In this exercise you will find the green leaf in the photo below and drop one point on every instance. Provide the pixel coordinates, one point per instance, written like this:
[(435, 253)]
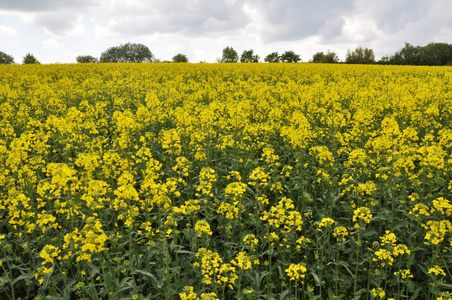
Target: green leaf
[(445, 285), (21, 277), (316, 278), (359, 293), (284, 294), (185, 252), (152, 276)]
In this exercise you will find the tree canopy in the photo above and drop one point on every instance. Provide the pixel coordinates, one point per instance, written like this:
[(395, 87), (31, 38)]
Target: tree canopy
[(248, 56), (30, 59), (86, 59), (180, 58), (290, 57), (6, 59), (127, 53), (328, 58), (360, 56), (229, 55), (432, 54), (273, 58)]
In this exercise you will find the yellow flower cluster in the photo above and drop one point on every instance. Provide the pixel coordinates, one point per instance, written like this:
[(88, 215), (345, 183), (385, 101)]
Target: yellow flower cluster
[(437, 270), (202, 227), (296, 272), (390, 250), (124, 171), (404, 274), (362, 216), (325, 222), (378, 293), (244, 261), (213, 269), (207, 177)]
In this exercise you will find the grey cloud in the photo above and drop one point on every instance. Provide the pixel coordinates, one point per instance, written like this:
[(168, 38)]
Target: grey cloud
[(57, 17), (293, 20), (414, 21), (332, 28), (192, 18), (392, 16), (58, 23), (42, 5)]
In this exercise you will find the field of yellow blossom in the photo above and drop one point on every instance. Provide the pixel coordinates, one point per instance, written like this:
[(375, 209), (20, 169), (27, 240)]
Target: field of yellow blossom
[(225, 181)]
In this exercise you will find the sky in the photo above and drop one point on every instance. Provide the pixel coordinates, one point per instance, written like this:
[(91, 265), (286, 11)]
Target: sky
[(57, 31)]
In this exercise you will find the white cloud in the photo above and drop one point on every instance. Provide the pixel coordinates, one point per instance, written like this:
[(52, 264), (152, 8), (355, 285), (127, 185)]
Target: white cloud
[(360, 30), (7, 31), (52, 44), (195, 19)]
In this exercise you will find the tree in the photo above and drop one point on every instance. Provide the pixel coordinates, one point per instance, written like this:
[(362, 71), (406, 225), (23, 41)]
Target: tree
[(408, 55), (433, 54), (360, 56), (385, 60), (6, 59), (331, 57), (128, 53), (290, 57), (273, 58), (180, 58), (436, 54), (86, 59), (248, 56), (318, 57), (229, 55), (30, 59), (328, 58)]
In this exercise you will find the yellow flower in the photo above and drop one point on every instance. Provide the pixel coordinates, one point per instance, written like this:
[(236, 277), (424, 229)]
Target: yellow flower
[(340, 232), (296, 271), (209, 296), (384, 256), (378, 292), (437, 231), (404, 274), (389, 238), (188, 294), (251, 240), (445, 296), (437, 271), (326, 222), (243, 261), (202, 227), (362, 214)]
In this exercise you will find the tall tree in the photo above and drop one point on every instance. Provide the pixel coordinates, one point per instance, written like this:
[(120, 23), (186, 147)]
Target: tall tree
[(436, 54), (290, 57), (331, 57), (273, 58), (248, 56), (229, 55), (128, 53), (433, 54), (360, 56), (409, 55), (86, 59), (6, 59), (318, 57), (180, 58), (30, 59), (328, 58)]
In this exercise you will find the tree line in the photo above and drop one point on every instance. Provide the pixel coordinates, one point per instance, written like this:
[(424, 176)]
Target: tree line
[(433, 54)]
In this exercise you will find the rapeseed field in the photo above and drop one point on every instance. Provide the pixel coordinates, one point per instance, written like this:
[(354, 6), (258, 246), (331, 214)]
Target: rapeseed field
[(225, 181)]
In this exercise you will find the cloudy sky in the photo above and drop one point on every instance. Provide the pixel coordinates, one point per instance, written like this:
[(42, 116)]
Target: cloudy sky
[(59, 30)]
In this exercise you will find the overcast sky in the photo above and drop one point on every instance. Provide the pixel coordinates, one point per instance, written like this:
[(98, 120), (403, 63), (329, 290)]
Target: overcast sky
[(60, 30)]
